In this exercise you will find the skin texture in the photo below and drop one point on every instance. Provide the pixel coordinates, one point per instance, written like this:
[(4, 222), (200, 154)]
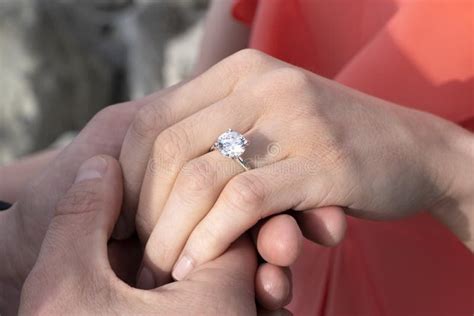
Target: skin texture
[(21, 172), (25, 224), (434, 158), (222, 37), (73, 275), (319, 148)]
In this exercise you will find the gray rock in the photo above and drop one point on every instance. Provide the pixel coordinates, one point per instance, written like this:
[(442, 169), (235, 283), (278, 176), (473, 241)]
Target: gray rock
[(64, 60)]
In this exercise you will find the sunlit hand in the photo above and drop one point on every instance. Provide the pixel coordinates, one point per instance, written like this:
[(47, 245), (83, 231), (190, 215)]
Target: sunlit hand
[(73, 276), (313, 144), (24, 225)]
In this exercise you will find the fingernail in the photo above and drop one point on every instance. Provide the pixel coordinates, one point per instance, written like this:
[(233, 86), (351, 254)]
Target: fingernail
[(146, 280), (93, 168), (182, 268)]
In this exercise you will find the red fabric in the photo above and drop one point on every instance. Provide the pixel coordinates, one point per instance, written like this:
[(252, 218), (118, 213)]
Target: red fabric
[(418, 53)]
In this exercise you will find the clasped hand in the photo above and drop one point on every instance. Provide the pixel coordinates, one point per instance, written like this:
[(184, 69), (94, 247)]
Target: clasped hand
[(317, 148)]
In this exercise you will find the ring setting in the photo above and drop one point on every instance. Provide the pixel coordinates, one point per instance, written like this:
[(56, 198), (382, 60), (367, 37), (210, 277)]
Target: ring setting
[(232, 144)]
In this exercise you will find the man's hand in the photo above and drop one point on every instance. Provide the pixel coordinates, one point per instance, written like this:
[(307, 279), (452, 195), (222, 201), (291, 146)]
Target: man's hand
[(73, 275), (23, 227)]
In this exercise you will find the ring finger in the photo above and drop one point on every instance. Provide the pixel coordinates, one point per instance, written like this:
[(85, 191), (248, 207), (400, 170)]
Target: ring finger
[(178, 145), (195, 191)]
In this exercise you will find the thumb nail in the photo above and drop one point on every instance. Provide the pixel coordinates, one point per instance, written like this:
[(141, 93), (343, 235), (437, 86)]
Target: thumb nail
[(93, 168), (145, 279), (182, 268)]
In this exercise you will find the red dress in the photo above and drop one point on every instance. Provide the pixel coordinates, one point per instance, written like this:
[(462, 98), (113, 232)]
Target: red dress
[(418, 53)]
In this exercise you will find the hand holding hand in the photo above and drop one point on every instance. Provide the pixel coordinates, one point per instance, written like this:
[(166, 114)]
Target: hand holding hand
[(24, 225), (315, 146), (73, 276)]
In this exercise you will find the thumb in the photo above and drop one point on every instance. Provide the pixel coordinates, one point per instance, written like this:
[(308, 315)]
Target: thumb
[(231, 278), (84, 218)]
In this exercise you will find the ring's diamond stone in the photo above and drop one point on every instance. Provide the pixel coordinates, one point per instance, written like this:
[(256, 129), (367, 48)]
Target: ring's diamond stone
[(231, 144)]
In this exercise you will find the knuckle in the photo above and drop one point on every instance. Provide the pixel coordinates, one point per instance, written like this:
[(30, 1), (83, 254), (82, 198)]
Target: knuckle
[(105, 115), (169, 146), (206, 236), (197, 175), (246, 193), (248, 54), (103, 121), (283, 83), (248, 59), (80, 200), (291, 79), (149, 120)]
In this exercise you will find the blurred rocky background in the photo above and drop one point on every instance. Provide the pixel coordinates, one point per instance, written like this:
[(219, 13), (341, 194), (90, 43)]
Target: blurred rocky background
[(61, 61)]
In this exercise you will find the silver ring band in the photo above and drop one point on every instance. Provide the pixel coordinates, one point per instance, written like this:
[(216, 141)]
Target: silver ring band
[(232, 144)]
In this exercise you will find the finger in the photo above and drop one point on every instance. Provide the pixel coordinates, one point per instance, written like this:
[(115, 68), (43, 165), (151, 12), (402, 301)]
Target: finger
[(234, 273), (77, 237), (45, 191), (239, 262), (279, 240), (230, 275), (196, 188), (165, 110), (246, 199), (162, 110), (273, 286), (325, 226), (178, 145), (193, 193)]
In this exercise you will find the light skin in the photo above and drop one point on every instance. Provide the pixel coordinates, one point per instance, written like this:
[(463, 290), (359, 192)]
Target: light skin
[(334, 149), (19, 173), (323, 224), (424, 164), (23, 226), (273, 282), (73, 274)]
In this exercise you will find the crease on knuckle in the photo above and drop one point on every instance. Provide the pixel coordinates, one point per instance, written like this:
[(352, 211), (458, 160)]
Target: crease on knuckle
[(169, 146), (197, 176), (291, 80), (210, 236), (96, 134), (246, 193), (150, 120), (247, 60), (283, 84)]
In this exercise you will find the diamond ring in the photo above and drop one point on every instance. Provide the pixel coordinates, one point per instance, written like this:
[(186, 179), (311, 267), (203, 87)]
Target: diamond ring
[(232, 144)]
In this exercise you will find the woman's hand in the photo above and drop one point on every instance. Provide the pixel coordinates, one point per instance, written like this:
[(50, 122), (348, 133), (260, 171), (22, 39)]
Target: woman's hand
[(24, 225), (73, 275), (313, 144)]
